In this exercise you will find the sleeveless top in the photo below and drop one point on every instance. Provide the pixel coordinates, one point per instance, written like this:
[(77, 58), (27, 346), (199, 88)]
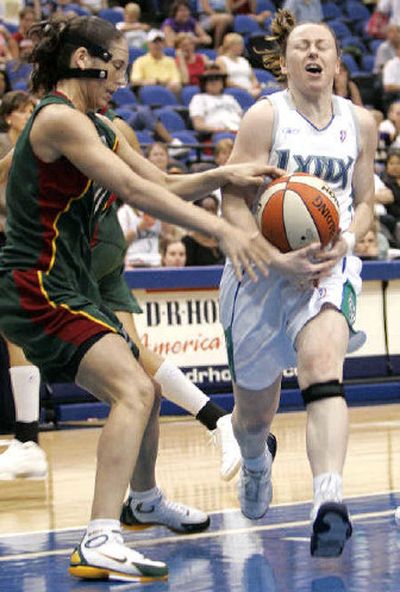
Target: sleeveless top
[(238, 71), (329, 153), (52, 210)]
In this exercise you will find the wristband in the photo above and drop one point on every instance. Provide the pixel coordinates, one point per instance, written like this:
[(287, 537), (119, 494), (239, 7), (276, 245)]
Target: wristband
[(350, 239)]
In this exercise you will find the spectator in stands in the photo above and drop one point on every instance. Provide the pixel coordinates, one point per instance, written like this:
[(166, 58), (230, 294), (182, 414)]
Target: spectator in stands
[(391, 7), (155, 67), (222, 151), (190, 64), (211, 110), (391, 78), (20, 43), (238, 69), (345, 87), (5, 51), (134, 31), (305, 11), (389, 129), (5, 85), (173, 253), (249, 7), (391, 178), (200, 248), (387, 49), (373, 245), (216, 17), (142, 233), (15, 109), (180, 20)]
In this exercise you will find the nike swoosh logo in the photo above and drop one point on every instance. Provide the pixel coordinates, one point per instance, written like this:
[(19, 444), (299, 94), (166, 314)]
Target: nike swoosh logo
[(113, 558), (149, 511)]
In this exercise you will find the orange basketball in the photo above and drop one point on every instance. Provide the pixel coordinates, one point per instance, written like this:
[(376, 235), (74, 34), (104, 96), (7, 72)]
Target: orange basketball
[(297, 210)]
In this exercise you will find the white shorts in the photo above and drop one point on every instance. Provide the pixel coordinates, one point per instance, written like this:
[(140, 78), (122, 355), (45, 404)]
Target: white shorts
[(262, 320)]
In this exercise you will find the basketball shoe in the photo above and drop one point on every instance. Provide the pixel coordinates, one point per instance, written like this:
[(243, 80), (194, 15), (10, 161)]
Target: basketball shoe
[(103, 555), (23, 459), (255, 489), (224, 438), (331, 525), (178, 517)]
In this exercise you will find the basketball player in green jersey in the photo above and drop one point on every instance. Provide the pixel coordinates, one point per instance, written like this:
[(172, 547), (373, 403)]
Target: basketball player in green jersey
[(49, 301)]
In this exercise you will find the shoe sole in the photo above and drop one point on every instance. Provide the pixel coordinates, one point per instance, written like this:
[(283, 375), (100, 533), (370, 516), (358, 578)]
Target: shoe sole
[(189, 529), (331, 530), (88, 572)]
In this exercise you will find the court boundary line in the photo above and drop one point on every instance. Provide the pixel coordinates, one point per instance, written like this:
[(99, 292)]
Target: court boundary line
[(192, 537)]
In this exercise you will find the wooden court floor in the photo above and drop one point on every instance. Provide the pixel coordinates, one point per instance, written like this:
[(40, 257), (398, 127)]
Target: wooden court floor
[(188, 469)]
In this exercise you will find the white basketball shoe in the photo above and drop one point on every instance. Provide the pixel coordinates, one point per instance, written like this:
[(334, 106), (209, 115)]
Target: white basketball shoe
[(102, 555), (255, 489), (23, 459), (230, 452)]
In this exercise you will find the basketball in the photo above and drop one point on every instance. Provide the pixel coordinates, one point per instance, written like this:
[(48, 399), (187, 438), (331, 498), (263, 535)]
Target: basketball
[(297, 210)]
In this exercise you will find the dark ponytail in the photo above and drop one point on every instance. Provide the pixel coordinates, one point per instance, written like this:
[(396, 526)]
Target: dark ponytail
[(53, 47)]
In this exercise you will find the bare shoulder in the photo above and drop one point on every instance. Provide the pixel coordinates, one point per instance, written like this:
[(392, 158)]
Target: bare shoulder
[(254, 138), (59, 117)]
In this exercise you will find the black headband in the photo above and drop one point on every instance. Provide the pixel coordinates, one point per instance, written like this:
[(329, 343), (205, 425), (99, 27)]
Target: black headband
[(94, 50)]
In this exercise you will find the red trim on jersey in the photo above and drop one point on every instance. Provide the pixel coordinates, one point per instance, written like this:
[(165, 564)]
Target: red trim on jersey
[(59, 183), (70, 327)]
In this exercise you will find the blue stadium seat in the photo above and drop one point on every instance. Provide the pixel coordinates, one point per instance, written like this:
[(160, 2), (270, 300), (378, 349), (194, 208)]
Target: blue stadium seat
[(341, 29), (357, 11), (135, 52), (269, 90), (350, 63), (124, 112), (367, 62), (169, 51), (171, 119), (188, 92), (221, 136), (330, 11), (262, 5), (144, 137), (353, 40), (244, 25), (188, 137), (264, 76), (114, 15), (18, 72), (124, 96), (79, 10), (210, 53), (374, 44), (157, 95), (244, 98)]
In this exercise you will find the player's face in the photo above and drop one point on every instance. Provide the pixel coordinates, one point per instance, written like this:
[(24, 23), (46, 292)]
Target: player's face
[(311, 60), (116, 74)]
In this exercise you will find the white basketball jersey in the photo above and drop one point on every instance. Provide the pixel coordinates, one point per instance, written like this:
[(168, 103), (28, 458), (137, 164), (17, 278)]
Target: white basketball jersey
[(329, 153)]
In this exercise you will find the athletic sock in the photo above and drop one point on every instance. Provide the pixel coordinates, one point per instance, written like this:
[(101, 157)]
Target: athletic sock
[(25, 381), (101, 525), (210, 414), (178, 389), (259, 463)]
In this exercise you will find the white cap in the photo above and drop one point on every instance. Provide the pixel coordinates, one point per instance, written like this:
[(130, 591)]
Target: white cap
[(155, 34)]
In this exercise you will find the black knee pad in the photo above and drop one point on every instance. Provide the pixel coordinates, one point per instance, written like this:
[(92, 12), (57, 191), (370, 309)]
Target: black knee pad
[(322, 390)]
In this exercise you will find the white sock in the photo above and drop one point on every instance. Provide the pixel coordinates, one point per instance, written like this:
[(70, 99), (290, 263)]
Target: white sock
[(178, 389), (328, 486), (259, 463), (25, 381), (145, 496), (101, 525)]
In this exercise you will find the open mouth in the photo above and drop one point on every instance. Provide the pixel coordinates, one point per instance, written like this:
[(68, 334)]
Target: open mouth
[(313, 69)]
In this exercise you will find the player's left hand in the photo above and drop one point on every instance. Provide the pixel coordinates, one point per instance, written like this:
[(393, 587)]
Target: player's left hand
[(250, 175)]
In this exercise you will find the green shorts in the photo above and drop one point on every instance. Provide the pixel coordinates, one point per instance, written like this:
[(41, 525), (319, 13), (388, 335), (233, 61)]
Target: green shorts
[(54, 327)]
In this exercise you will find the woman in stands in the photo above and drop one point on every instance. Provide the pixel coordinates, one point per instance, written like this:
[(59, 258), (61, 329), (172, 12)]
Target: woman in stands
[(237, 68)]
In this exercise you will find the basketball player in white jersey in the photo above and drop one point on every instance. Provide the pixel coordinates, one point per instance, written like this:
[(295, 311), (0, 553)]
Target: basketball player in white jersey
[(302, 313)]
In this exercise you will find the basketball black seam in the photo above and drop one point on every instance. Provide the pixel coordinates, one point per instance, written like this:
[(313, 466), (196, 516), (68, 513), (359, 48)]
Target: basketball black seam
[(312, 218), (283, 213)]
